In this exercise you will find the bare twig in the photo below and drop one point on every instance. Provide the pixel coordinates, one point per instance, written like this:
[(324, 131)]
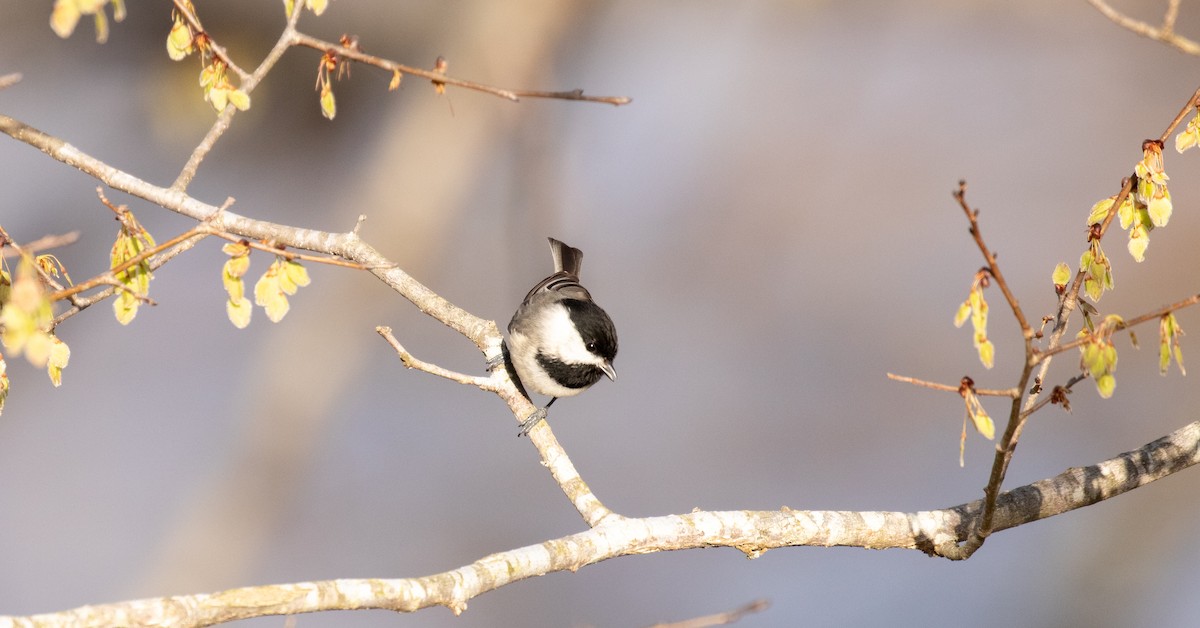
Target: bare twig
[(554, 457), (718, 619), (8, 80), (290, 255), (43, 273), (291, 37), (109, 277), (247, 85), (1189, 107), (1165, 33), (80, 303), (43, 243), (120, 287), (194, 20), (1075, 379), (1016, 420), (990, 392), (412, 362), (993, 266), (1131, 322), (301, 39)]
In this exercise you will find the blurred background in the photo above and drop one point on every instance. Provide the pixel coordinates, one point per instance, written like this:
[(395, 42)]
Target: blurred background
[(770, 224)]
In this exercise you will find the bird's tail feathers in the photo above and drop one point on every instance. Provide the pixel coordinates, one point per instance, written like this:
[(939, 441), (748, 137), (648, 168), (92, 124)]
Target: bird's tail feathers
[(566, 257)]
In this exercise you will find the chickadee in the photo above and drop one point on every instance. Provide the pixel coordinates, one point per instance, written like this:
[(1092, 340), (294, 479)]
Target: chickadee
[(559, 341)]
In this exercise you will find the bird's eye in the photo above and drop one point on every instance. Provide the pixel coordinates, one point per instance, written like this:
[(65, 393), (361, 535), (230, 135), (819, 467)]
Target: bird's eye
[(591, 346)]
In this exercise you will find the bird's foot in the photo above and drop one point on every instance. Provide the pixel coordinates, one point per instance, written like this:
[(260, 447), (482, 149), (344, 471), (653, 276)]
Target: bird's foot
[(531, 421), (496, 362)]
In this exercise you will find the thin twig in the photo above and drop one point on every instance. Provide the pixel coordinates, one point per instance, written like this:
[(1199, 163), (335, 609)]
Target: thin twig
[(80, 303), (554, 457), (247, 85), (121, 287), (8, 80), (291, 37), (21, 251), (110, 276), (1016, 420), (1168, 25), (1188, 108), (1075, 379), (1041, 360), (1132, 322), (960, 195), (44, 243), (718, 619), (302, 39), (290, 255), (990, 392), (219, 51), (489, 384), (1165, 33)]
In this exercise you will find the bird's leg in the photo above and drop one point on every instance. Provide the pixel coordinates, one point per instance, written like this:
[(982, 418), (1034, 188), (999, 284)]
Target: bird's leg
[(535, 418)]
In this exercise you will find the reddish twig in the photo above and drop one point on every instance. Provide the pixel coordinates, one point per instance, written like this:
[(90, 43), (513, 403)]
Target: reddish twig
[(988, 392), (194, 21), (439, 78)]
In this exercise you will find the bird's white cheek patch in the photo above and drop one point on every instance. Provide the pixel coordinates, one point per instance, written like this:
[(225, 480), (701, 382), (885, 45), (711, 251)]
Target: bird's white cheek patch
[(561, 340)]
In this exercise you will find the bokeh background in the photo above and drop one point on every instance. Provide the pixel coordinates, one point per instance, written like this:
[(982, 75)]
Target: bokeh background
[(769, 223)]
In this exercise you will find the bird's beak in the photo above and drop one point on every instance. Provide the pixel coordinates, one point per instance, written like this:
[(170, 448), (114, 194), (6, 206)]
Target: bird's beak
[(608, 369)]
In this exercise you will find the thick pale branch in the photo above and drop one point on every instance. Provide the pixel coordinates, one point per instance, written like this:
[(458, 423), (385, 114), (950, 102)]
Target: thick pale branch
[(484, 333), (554, 457), (752, 532)]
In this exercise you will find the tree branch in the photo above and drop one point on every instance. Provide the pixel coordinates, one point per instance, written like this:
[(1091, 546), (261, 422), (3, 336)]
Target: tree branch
[(1007, 446), (225, 118), (987, 392), (412, 362), (194, 20), (751, 532), (291, 37), (1165, 33), (716, 619), (43, 243), (301, 39), (1022, 410), (483, 333)]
